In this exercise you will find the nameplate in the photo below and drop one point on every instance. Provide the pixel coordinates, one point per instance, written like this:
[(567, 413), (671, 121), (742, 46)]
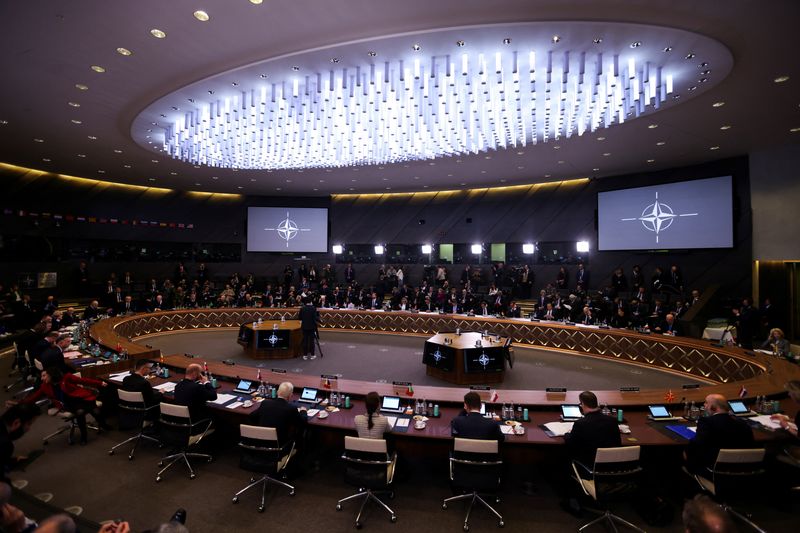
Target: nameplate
[(605, 327), (190, 356), (277, 370), (328, 376), (535, 319), (555, 389), (629, 389), (690, 386), (228, 362), (751, 353), (401, 383), (568, 323), (480, 387)]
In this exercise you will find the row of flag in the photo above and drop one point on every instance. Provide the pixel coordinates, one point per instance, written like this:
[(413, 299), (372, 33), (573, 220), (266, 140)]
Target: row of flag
[(96, 220)]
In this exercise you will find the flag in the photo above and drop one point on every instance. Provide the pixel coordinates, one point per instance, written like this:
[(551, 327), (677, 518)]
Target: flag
[(327, 383), (205, 367), (742, 392), (495, 397), (669, 397), (258, 376), (410, 390)]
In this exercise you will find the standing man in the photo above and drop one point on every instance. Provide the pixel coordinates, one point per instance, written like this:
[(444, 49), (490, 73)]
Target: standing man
[(471, 424), (309, 318)]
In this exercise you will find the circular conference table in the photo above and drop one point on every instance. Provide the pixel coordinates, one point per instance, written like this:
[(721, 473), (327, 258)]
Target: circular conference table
[(724, 369)]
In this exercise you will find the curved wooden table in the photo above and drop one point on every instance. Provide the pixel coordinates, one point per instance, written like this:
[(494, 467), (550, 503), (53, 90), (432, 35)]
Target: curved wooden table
[(724, 370)]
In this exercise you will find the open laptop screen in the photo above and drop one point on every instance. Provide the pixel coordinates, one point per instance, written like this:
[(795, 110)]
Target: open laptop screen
[(571, 411), (659, 411), (244, 384), (391, 402), (738, 407), (308, 394)]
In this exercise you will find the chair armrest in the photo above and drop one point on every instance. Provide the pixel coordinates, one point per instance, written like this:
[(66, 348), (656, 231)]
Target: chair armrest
[(201, 423)]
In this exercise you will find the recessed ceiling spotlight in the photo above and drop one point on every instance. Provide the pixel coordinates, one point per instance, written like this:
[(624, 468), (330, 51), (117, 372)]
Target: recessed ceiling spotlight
[(201, 15), (661, 143), (561, 162), (82, 155), (81, 86), (597, 40), (3, 122), (315, 189), (520, 153), (352, 188), (676, 97), (123, 51), (38, 140), (46, 159), (235, 83), (425, 186), (101, 171), (372, 53), (520, 168), (652, 126), (781, 79), (126, 166), (240, 187), (214, 177), (76, 121), (555, 39), (601, 138), (173, 173), (151, 179), (606, 154), (154, 160), (158, 34), (595, 169), (98, 69), (725, 127), (556, 147), (794, 130), (197, 184), (416, 47), (460, 43), (547, 175), (295, 68), (667, 49), (690, 55), (91, 137), (718, 104), (507, 40), (257, 3), (692, 88), (651, 160), (487, 157), (636, 44), (277, 188), (117, 151), (252, 179), (714, 148)]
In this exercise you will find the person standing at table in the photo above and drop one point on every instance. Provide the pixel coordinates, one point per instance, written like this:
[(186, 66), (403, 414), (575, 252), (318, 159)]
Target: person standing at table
[(309, 318), (471, 424), (193, 391), (372, 425)]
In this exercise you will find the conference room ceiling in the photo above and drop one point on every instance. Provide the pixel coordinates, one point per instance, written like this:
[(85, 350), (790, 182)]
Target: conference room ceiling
[(59, 114)]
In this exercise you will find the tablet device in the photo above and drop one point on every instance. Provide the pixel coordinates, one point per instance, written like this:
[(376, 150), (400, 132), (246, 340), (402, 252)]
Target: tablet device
[(308, 395), (659, 411), (738, 408), (483, 408), (571, 412), (391, 404), (244, 386)]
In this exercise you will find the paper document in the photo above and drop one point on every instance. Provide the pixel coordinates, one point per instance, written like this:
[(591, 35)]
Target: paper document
[(169, 386), (507, 430), (392, 420), (311, 413), (222, 398), (118, 377), (766, 421), (559, 429), (234, 405), (402, 422)]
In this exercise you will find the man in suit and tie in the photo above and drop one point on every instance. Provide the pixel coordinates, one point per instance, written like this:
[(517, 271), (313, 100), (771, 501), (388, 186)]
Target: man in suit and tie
[(595, 430), (471, 424), (193, 391), (126, 306), (582, 278), (669, 326), (288, 420), (548, 312), (587, 318), (309, 319), (715, 431)]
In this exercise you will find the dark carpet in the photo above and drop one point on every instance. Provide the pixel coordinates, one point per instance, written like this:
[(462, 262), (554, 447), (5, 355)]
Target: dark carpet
[(371, 357)]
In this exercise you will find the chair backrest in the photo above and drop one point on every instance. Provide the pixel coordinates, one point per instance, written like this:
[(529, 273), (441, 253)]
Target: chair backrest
[(175, 411), (261, 451), (38, 365), (616, 471), (175, 424), (132, 409), (130, 397), (738, 472), (366, 463), (476, 464)]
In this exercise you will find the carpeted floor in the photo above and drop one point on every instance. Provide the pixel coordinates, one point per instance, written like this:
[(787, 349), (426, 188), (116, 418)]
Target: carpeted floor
[(370, 357)]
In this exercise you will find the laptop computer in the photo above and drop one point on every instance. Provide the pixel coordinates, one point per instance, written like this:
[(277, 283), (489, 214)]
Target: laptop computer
[(571, 412), (659, 412), (391, 404), (308, 395), (738, 408), (244, 386)]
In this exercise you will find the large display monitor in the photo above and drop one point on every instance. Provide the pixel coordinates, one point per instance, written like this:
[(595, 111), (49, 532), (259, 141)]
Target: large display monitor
[(484, 359), (683, 215), (439, 356), (287, 229)]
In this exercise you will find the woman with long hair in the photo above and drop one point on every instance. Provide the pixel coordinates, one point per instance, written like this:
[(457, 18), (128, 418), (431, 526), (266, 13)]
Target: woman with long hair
[(372, 425)]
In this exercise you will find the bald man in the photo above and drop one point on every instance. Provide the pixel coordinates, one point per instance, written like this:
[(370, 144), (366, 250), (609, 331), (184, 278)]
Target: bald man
[(193, 391), (717, 430)]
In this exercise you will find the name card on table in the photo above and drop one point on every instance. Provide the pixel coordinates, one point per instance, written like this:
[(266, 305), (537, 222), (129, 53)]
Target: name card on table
[(484, 388), (550, 390), (629, 389), (278, 370), (403, 384), (329, 376), (690, 386)]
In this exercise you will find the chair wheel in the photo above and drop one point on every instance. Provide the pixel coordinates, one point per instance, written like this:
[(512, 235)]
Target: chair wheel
[(501, 523), (130, 458), (291, 493), (158, 478), (209, 459), (110, 452), (391, 495), (358, 525), (338, 506), (161, 463), (192, 476), (393, 519), (235, 499), (260, 509), (444, 506), (466, 527)]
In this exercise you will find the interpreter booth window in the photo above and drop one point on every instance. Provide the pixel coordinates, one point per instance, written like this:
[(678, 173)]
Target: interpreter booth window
[(560, 253)]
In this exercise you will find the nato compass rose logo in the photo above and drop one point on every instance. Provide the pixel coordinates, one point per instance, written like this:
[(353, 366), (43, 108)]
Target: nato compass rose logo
[(484, 360), (287, 229), (658, 217), (273, 339), (437, 355)]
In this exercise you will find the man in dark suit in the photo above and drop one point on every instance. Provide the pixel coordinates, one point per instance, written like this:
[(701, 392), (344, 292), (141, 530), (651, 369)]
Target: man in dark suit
[(93, 311), (136, 381), (581, 278), (126, 307), (288, 420), (595, 430), (54, 356), (471, 424), (309, 318), (669, 326), (715, 431), (193, 391)]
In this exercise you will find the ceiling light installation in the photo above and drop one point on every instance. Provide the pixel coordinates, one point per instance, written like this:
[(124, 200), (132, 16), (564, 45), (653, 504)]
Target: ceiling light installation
[(429, 97)]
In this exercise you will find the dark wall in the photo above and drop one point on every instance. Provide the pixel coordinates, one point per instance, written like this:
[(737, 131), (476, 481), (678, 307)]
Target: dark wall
[(552, 212)]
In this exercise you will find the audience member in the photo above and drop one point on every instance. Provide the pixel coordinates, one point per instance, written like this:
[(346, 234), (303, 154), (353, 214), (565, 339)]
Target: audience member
[(14, 423), (777, 343)]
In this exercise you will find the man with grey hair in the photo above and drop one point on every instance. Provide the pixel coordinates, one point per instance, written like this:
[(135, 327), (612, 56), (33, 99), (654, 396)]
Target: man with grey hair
[(278, 413), (717, 430)]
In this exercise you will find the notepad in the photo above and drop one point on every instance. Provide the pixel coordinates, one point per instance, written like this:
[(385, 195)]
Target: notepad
[(118, 377), (169, 386), (402, 422), (507, 430), (559, 429), (687, 432), (222, 399), (766, 421), (234, 405), (311, 413)]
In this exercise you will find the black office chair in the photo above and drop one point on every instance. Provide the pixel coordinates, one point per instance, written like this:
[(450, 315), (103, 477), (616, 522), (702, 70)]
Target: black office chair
[(176, 428), (475, 466), (370, 468), (735, 473), (262, 453), (134, 413), (615, 474)]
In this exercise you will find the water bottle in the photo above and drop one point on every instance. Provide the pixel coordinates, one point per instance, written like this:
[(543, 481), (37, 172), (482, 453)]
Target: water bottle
[(605, 410), (511, 411), (519, 416), (436, 410), (334, 398), (686, 409), (620, 417), (429, 410), (347, 402), (525, 415)]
